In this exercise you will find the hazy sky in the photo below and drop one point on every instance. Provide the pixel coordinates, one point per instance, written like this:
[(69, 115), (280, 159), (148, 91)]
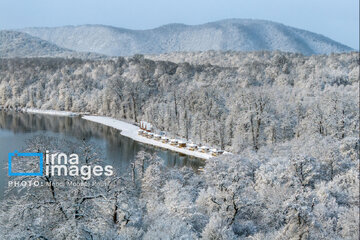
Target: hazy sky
[(337, 19)]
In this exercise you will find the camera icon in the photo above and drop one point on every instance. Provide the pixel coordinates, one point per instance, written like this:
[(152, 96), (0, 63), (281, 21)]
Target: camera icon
[(17, 154)]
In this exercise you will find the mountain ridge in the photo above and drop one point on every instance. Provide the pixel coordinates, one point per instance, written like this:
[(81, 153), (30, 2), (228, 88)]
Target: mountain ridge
[(18, 44), (229, 34)]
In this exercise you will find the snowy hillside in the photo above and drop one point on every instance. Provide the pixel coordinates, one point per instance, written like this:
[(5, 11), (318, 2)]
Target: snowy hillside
[(233, 34), (18, 44)]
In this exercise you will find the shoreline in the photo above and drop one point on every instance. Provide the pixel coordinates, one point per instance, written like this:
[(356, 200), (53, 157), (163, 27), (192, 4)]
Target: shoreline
[(126, 129), (50, 112), (130, 131)]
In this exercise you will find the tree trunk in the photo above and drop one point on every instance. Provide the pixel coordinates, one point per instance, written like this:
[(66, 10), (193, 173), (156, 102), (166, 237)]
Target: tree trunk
[(134, 107)]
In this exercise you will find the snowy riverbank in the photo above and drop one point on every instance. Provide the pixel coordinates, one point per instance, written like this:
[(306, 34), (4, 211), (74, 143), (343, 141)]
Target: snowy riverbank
[(130, 131), (50, 112), (127, 130)]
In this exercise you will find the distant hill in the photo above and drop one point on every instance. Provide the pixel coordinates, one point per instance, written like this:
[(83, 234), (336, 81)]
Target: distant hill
[(232, 34), (19, 44)]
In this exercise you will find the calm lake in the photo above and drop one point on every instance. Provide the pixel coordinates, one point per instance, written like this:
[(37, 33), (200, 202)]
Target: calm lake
[(119, 151)]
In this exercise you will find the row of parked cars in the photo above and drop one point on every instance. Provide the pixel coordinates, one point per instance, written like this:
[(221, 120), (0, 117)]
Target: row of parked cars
[(180, 143)]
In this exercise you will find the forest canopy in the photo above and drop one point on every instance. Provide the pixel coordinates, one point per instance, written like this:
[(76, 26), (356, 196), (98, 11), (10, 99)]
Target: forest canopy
[(292, 122), (234, 101)]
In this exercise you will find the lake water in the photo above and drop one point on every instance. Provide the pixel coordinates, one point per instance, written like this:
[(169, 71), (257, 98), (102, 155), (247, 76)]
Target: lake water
[(16, 128)]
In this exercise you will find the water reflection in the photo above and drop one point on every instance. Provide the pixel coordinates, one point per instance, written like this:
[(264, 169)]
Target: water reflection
[(16, 127)]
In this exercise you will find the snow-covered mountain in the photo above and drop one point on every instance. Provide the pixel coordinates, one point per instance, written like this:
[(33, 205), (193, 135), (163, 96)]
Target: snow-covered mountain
[(19, 44), (232, 34)]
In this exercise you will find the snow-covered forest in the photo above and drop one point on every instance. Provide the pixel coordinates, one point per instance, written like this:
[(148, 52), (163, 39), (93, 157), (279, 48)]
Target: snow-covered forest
[(292, 122), (232, 102)]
